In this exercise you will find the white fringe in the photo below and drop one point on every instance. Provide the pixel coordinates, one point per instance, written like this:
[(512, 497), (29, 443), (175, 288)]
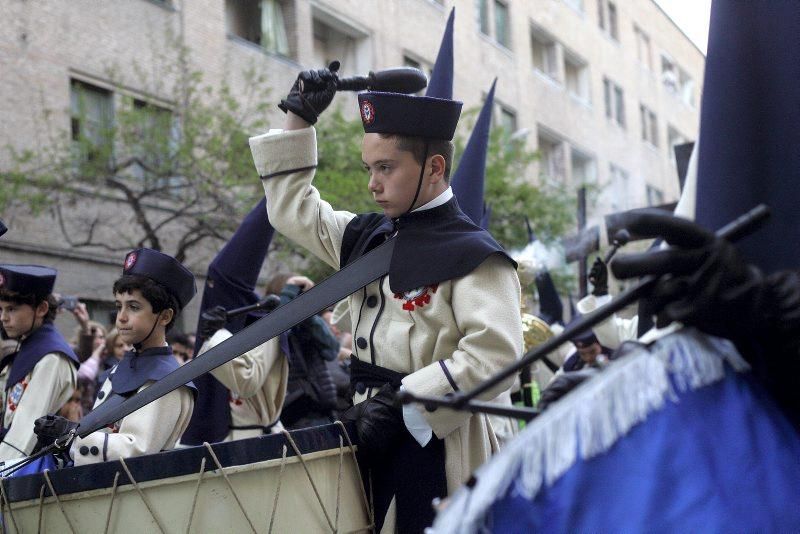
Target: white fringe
[(591, 419)]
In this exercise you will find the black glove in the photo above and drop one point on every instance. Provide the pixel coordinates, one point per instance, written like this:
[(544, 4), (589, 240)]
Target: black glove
[(379, 422), (49, 428), (563, 384), (311, 93), (212, 320), (711, 288), (598, 276)]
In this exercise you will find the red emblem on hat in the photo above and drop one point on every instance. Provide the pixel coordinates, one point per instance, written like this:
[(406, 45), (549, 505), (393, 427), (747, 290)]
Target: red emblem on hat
[(2, 280), (130, 261), (367, 112)]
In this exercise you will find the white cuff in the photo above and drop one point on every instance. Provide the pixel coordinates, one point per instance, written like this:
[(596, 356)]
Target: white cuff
[(416, 424)]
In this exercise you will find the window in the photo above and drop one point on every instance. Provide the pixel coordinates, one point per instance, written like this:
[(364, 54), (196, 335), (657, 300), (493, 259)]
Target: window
[(482, 6), (545, 53), (507, 119), (552, 161), (607, 18), (262, 22), (92, 121), (576, 76), (649, 125), (502, 30), (655, 197), (674, 138), (494, 20), (619, 188), (156, 131), (614, 98), (643, 50), (583, 167), (669, 77), (337, 39), (686, 87)]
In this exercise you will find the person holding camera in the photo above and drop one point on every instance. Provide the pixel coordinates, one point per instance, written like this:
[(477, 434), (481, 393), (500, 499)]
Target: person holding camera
[(311, 392), (39, 376)]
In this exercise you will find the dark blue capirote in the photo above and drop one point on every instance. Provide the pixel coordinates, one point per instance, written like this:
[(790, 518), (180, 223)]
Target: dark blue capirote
[(750, 126), (468, 180), (231, 283), (441, 82)]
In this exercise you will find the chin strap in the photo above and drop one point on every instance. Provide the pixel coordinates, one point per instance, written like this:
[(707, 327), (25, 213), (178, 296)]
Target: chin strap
[(138, 345), (421, 176)]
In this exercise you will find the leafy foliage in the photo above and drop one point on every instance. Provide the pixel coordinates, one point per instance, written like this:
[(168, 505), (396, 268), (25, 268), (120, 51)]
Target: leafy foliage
[(180, 167)]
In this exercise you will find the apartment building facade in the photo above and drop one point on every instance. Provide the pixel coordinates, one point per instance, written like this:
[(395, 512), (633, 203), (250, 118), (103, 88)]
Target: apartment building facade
[(601, 88)]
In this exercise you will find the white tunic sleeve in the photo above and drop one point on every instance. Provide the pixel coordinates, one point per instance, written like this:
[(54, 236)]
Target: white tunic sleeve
[(50, 386), (614, 331), (286, 163)]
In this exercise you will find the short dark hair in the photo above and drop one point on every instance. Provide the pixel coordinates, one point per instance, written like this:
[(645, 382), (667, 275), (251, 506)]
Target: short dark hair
[(417, 147), (156, 294), (33, 301), (178, 337)]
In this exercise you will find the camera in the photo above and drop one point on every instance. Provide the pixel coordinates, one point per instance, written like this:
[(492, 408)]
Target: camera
[(68, 302)]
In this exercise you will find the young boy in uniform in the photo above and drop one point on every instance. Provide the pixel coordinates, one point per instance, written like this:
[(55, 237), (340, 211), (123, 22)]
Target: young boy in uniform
[(444, 319), (152, 291), (39, 375)]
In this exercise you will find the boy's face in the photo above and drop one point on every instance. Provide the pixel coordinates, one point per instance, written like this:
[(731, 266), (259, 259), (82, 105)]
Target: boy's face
[(393, 176), (589, 354), (17, 319), (135, 319)]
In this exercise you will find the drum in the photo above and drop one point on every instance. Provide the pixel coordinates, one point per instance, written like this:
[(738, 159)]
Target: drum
[(303, 481), (674, 437)]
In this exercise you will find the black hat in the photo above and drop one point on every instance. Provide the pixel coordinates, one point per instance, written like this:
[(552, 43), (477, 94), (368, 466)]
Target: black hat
[(28, 279), (584, 338), (163, 269), (3, 228), (413, 116)]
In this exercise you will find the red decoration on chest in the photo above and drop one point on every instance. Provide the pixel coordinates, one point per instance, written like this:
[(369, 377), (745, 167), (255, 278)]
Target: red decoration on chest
[(417, 298)]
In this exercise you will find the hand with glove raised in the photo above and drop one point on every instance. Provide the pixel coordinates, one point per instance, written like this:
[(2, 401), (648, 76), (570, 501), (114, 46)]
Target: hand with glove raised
[(710, 287), (598, 277), (212, 320), (312, 93), (49, 428), (379, 422)]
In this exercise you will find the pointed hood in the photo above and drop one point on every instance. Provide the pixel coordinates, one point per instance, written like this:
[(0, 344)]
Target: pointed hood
[(468, 180), (441, 82)]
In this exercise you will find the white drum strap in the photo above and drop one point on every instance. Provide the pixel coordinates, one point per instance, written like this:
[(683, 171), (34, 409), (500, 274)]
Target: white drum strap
[(290, 439), (46, 474), (277, 489), (230, 486), (141, 494), (5, 500), (196, 493), (111, 501), (367, 507)]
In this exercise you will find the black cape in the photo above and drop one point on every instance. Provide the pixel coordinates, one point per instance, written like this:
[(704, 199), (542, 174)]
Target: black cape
[(432, 246)]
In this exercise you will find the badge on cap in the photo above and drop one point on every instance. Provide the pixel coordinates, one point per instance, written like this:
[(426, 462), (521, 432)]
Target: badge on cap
[(367, 112), (130, 261), (2, 280)]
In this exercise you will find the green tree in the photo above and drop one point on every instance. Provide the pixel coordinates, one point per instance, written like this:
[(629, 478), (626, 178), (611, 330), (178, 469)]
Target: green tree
[(177, 170)]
